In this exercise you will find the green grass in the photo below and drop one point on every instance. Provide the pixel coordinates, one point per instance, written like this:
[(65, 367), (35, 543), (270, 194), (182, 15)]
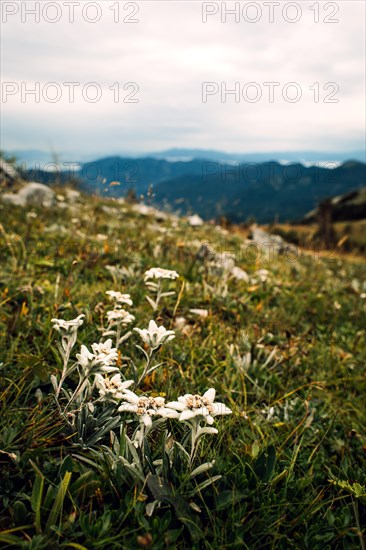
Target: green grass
[(349, 237), (292, 455)]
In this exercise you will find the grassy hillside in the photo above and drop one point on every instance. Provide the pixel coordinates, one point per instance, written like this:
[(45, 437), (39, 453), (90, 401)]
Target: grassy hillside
[(284, 350), (349, 236)]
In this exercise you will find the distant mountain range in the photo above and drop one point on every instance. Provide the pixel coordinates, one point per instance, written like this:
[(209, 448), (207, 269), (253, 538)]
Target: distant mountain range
[(31, 157), (268, 191), (305, 157), (211, 188)]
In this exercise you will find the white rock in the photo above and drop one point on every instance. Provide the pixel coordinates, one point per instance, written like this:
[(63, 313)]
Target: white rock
[(195, 220), (13, 199), (33, 193), (72, 194), (203, 313)]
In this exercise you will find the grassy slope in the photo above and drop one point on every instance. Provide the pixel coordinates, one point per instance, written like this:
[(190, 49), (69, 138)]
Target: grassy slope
[(276, 490), (349, 236)]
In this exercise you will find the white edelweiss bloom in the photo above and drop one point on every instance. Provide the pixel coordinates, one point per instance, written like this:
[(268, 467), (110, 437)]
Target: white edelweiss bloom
[(239, 274), (146, 407), (262, 274), (119, 315), (68, 326), (155, 336), (120, 298), (105, 353), (113, 387), (196, 406), (160, 273), (90, 362), (85, 357)]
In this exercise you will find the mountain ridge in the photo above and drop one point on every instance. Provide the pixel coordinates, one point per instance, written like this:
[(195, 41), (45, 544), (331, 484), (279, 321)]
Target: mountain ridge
[(266, 191)]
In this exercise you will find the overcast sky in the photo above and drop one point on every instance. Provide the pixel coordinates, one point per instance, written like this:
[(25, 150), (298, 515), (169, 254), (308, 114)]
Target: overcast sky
[(169, 53)]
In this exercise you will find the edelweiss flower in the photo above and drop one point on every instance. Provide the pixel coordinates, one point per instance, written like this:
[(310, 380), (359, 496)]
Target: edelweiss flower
[(104, 353), (160, 273), (262, 274), (113, 387), (239, 274), (120, 298), (90, 362), (146, 407), (192, 406), (85, 357), (155, 336), (118, 315), (69, 326)]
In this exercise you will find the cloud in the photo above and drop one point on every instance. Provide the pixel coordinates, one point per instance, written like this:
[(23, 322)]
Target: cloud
[(169, 53)]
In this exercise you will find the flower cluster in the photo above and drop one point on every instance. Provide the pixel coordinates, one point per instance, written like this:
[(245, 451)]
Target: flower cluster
[(260, 276), (160, 273), (146, 407), (111, 388), (196, 407), (68, 326), (119, 298), (155, 336), (119, 316), (105, 353), (104, 394), (101, 360)]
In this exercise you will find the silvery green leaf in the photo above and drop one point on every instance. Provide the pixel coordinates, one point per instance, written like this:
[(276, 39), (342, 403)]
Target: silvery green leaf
[(54, 382), (142, 351), (65, 343), (133, 451), (61, 350), (153, 286), (109, 333), (195, 507), (164, 294), (135, 472), (151, 302), (270, 357), (207, 430), (182, 449), (38, 395), (150, 507), (205, 484), (124, 337), (66, 393), (202, 468), (151, 369)]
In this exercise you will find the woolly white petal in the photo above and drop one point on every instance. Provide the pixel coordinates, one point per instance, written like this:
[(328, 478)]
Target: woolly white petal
[(127, 407), (220, 408), (189, 414), (146, 418), (210, 395), (176, 405), (131, 397), (168, 413)]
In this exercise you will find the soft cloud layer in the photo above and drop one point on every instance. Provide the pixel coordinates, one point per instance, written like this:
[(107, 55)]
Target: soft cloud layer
[(169, 53)]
